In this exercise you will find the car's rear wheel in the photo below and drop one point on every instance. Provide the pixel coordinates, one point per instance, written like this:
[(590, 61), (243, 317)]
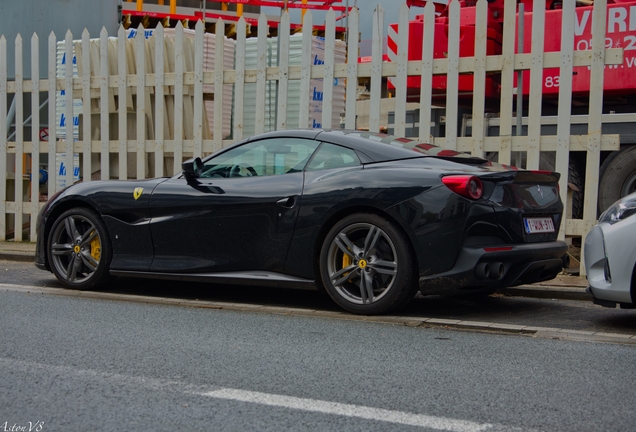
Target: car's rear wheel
[(79, 250), (366, 265)]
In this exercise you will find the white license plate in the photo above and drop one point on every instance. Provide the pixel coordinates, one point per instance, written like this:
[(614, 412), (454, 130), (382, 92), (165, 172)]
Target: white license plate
[(538, 225)]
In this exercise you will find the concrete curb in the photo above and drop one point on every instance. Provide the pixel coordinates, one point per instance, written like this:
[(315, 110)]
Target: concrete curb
[(17, 251), (17, 256), (447, 324), (551, 292), (23, 252)]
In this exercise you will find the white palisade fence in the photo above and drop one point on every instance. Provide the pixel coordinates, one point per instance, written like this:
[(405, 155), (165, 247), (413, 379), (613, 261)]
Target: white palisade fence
[(148, 104)]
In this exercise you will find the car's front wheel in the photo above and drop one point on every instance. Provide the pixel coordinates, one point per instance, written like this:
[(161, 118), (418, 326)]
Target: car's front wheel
[(79, 250), (366, 265)]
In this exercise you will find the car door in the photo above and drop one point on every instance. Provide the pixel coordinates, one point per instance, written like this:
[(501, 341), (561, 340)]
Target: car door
[(238, 215), (331, 182)]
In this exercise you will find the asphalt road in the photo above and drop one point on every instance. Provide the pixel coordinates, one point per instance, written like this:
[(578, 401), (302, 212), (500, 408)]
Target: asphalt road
[(92, 364)]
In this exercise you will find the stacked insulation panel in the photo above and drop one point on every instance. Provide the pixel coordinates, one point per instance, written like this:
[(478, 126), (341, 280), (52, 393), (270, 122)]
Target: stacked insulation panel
[(209, 59), (60, 99), (293, 95), (189, 35)]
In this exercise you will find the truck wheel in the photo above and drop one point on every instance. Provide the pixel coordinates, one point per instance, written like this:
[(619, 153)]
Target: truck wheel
[(575, 178), (617, 177)]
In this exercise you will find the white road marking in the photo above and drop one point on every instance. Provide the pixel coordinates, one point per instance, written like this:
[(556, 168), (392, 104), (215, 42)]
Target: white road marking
[(288, 402), (347, 410)]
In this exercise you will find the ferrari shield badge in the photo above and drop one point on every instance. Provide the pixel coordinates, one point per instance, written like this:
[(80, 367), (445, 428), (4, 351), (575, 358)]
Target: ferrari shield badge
[(137, 193)]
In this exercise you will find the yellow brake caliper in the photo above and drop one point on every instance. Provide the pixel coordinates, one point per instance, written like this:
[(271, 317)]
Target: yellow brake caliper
[(346, 261), (96, 249)]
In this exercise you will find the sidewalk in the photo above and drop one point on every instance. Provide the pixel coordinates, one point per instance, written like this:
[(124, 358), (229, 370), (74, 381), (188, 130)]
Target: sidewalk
[(563, 287), (17, 251)]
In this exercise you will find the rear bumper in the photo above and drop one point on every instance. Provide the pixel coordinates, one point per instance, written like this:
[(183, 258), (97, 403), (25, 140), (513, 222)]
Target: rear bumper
[(608, 303), (522, 264)]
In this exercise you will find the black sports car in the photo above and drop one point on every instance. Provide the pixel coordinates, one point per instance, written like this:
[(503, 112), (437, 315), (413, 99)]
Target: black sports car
[(368, 217)]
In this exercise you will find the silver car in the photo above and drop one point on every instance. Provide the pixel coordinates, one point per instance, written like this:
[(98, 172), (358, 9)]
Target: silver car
[(610, 256)]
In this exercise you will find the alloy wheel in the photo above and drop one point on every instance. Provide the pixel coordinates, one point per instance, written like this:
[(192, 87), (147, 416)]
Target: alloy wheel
[(362, 263), (76, 249)]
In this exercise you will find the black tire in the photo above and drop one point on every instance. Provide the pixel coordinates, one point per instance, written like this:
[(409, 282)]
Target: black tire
[(575, 178), (617, 177), (79, 250), (382, 273)]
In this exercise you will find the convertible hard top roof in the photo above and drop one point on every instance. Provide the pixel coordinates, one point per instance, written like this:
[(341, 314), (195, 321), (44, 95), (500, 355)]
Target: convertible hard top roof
[(377, 147)]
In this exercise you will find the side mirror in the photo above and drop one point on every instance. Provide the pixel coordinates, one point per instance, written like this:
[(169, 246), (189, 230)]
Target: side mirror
[(192, 168)]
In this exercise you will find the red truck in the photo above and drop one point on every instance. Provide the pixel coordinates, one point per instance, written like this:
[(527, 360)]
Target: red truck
[(618, 169)]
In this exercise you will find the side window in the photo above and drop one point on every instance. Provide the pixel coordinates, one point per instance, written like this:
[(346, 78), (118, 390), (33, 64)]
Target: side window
[(261, 158), (333, 156)]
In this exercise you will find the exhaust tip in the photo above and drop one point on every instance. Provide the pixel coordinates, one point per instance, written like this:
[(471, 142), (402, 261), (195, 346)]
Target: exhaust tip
[(497, 270), (482, 270), (566, 261)]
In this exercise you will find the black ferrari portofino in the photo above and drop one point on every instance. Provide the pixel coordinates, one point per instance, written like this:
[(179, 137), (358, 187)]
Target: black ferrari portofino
[(369, 218)]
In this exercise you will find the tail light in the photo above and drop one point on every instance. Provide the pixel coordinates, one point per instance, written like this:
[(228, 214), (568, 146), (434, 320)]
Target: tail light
[(467, 186)]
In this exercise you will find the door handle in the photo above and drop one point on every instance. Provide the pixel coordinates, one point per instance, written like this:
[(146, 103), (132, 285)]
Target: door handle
[(287, 202)]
